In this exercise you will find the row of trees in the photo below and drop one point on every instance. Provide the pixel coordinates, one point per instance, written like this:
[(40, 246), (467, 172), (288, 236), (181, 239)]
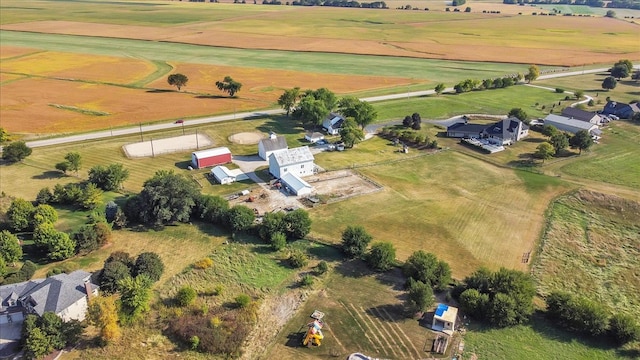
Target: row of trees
[(559, 140), (227, 85)]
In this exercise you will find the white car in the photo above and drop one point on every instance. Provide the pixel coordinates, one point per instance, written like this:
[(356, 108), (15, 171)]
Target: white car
[(613, 117)]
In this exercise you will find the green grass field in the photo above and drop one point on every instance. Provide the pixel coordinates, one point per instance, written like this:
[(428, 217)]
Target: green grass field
[(626, 89), (434, 70), (595, 237)]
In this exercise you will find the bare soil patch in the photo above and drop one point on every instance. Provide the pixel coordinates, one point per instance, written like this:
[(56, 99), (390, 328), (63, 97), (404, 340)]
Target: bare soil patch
[(246, 138), (167, 145)]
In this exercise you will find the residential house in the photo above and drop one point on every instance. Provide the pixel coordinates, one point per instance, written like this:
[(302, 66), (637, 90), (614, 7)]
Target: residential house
[(582, 115), (332, 123), (621, 110), (273, 143), (298, 161), (564, 123), (66, 295), (502, 132), (444, 319)]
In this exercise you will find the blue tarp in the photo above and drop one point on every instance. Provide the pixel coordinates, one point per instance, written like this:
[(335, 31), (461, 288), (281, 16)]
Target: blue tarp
[(441, 309)]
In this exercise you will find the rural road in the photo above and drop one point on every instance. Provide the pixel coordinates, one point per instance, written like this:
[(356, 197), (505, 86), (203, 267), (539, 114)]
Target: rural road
[(141, 129)]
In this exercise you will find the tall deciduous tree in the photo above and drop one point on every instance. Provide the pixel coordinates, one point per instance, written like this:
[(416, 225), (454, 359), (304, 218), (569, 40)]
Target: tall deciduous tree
[(581, 140), (311, 111), (178, 80), (361, 111), (241, 218), (297, 224), (350, 133), (532, 74), (166, 197), (135, 295), (10, 248), (620, 71), (381, 256), (229, 86), (609, 83), (559, 142), (419, 297), (16, 151), (518, 113), (426, 267), (288, 99), (355, 241), (544, 151), (57, 244), (75, 161), (108, 178), (19, 214), (43, 213)]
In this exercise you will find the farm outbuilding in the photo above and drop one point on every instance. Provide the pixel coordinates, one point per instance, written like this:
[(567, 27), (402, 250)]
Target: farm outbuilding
[(563, 123), (210, 157), (273, 143), (223, 175), (298, 161), (444, 319), (296, 185)]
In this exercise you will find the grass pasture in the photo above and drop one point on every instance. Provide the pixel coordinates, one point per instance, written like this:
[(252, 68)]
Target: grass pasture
[(430, 203), (363, 313), (595, 237), (626, 89)]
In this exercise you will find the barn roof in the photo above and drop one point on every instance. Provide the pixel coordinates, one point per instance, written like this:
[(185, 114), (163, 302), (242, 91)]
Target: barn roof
[(293, 156), (211, 152), (274, 143)]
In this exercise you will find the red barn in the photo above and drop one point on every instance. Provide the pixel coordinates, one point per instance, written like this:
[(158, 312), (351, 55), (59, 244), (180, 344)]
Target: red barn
[(210, 157)]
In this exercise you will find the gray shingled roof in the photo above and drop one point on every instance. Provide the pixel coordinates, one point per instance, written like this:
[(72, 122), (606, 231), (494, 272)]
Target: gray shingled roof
[(504, 129), (293, 156), (578, 114), (279, 143), (467, 127), (55, 293), (15, 291)]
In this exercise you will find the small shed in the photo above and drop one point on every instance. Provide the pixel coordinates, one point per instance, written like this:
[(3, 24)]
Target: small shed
[(223, 175), (313, 137), (296, 185), (210, 157), (444, 319)]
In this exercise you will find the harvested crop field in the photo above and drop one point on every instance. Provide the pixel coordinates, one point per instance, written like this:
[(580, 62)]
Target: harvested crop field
[(55, 92)]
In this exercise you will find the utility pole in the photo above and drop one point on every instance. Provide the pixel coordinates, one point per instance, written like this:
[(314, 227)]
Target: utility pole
[(153, 154), (141, 138)]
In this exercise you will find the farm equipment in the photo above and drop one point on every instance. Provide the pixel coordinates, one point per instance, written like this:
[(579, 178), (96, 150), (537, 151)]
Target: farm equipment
[(314, 332)]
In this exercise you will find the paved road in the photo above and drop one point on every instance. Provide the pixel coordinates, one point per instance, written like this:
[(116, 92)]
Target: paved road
[(141, 129)]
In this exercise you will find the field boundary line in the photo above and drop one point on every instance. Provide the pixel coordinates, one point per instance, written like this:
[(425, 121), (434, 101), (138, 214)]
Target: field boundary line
[(395, 322), (379, 315), (372, 323)]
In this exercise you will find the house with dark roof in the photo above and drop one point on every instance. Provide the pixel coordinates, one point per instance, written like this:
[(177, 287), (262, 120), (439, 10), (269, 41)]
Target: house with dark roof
[(582, 115), (66, 295), (273, 143), (333, 123), (622, 110), (502, 132)]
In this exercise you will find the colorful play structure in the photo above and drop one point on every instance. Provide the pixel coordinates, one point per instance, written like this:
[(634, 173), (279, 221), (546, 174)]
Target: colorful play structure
[(314, 332)]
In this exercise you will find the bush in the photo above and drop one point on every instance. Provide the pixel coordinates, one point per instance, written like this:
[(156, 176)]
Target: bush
[(243, 300), (420, 296), (150, 264), (322, 267), (307, 280), (24, 274), (195, 342), (186, 296), (203, 263), (559, 90), (355, 241), (624, 329), (278, 241), (297, 259)]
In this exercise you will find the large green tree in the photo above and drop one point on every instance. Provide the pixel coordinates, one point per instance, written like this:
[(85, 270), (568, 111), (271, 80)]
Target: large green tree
[(518, 113), (57, 244), (297, 224), (74, 160), (166, 198), (178, 80), (381, 256), (108, 178), (609, 83), (559, 142), (229, 86), (544, 151), (355, 241), (311, 111), (149, 264), (19, 214), (532, 74), (581, 140), (135, 296), (15, 151), (43, 213), (361, 111), (10, 248), (426, 267), (212, 208), (288, 99), (350, 133), (620, 71), (241, 218), (419, 296)]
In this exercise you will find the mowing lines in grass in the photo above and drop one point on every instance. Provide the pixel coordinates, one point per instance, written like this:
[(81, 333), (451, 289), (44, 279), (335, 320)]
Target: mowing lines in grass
[(376, 314), (375, 340), (394, 321)]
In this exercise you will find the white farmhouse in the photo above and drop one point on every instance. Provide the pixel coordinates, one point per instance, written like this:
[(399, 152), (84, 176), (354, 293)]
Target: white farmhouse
[(297, 161), (332, 123)]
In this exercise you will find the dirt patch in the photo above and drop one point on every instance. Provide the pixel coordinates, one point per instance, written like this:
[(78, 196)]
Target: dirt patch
[(246, 138), (167, 145)]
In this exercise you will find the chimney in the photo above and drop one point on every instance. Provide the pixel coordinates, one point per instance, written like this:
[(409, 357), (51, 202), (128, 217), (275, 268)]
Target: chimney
[(87, 288)]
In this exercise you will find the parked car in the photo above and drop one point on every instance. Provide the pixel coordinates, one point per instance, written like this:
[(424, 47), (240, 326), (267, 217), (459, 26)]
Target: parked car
[(614, 117), (179, 121)]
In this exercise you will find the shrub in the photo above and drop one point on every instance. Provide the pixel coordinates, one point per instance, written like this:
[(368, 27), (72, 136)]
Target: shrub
[(297, 259), (203, 263), (243, 300), (355, 241), (278, 241), (186, 296), (150, 264), (195, 342), (559, 90), (307, 280), (623, 329), (382, 256), (322, 267)]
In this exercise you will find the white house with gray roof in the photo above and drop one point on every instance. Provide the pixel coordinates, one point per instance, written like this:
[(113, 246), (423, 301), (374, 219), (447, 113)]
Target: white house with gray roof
[(273, 143), (564, 123), (66, 295), (297, 161)]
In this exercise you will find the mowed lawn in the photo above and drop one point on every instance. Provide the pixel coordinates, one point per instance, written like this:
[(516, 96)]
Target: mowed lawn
[(466, 211)]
